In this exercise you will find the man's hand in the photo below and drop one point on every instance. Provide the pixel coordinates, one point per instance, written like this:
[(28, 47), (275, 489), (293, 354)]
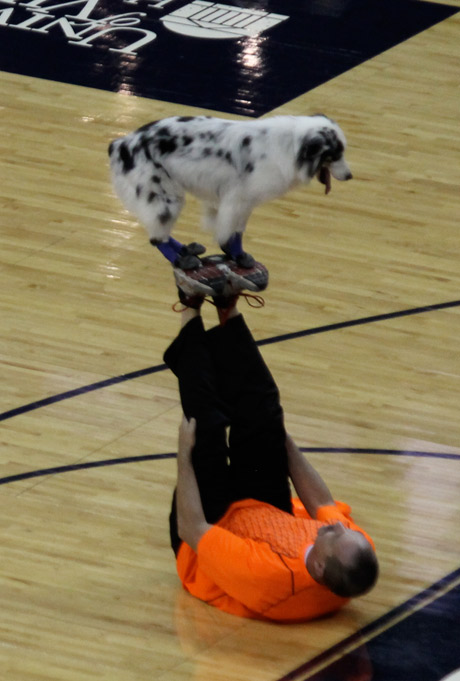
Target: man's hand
[(186, 444)]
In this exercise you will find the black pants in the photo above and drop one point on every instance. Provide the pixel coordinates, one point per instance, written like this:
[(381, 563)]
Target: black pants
[(224, 381)]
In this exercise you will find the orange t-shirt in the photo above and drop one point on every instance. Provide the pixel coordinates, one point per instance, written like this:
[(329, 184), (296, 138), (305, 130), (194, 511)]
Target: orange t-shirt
[(252, 562)]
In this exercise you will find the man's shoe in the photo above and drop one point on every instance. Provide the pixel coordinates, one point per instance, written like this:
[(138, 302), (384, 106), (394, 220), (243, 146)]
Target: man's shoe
[(194, 284), (239, 278)]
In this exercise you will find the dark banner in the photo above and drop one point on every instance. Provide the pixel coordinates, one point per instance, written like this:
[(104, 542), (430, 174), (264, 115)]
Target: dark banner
[(238, 57)]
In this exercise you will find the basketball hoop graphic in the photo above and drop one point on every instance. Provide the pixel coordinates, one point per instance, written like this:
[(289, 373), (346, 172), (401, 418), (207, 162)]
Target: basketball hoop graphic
[(202, 19)]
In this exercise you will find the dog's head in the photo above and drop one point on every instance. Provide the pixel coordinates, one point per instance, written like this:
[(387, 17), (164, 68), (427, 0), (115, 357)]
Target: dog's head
[(321, 153)]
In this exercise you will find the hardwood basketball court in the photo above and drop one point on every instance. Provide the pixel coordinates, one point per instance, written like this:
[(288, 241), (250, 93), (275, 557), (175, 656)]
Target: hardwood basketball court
[(360, 328)]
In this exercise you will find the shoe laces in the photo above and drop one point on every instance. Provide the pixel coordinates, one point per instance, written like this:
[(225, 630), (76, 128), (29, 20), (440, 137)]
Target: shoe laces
[(251, 299)]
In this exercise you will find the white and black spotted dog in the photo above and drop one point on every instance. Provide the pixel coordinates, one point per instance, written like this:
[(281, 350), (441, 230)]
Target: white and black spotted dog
[(232, 166)]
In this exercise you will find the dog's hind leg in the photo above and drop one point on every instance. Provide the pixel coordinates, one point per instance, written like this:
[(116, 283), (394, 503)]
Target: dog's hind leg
[(159, 214), (170, 248), (159, 224), (179, 254)]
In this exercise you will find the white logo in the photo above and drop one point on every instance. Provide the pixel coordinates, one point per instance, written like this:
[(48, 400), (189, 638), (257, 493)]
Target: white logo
[(202, 19), (74, 19)]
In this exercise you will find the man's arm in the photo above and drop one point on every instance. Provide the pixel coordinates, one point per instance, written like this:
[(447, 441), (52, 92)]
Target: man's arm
[(191, 521), (309, 485)]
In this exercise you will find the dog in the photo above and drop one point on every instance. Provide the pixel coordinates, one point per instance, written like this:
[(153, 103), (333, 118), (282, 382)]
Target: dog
[(231, 166)]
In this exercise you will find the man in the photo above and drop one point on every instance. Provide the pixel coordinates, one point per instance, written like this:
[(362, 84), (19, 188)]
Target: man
[(242, 544)]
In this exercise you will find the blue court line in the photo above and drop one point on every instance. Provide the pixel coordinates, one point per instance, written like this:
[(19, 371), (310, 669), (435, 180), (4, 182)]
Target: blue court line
[(267, 341), (171, 455), (81, 391), (82, 466), (374, 627), (389, 452), (361, 320)]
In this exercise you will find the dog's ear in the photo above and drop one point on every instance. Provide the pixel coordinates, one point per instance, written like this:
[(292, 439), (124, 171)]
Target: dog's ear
[(310, 149), (315, 147), (310, 153)]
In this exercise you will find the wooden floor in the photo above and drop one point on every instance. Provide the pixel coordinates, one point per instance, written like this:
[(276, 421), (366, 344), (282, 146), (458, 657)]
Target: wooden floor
[(88, 585)]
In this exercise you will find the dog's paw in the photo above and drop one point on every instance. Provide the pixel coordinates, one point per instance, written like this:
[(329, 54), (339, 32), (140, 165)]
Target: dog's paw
[(245, 260), (188, 261), (195, 249)]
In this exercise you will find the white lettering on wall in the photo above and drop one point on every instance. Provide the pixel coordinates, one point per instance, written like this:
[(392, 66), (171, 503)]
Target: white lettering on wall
[(80, 29), (198, 19)]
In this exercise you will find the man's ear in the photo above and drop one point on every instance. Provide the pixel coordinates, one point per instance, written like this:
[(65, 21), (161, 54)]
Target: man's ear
[(315, 566), (319, 567)]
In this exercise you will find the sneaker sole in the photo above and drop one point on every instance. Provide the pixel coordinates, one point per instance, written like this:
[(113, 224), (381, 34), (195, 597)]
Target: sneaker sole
[(208, 280), (240, 278)]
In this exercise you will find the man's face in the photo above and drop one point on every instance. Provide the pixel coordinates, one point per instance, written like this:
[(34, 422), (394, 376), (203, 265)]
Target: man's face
[(339, 541)]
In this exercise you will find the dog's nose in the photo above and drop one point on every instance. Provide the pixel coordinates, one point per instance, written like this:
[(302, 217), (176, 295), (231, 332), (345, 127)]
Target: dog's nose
[(349, 175)]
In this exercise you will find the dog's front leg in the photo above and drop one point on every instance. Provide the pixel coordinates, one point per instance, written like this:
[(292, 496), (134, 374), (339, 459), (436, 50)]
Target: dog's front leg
[(230, 225), (234, 249)]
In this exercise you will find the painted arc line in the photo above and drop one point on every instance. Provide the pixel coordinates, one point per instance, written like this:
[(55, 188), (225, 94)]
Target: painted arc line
[(267, 341)]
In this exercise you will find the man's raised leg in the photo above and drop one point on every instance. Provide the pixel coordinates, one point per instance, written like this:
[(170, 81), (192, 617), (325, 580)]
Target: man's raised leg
[(258, 459), (189, 359)]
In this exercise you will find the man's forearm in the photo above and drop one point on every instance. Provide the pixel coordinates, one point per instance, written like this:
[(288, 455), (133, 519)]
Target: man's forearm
[(191, 520), (309, 485)]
